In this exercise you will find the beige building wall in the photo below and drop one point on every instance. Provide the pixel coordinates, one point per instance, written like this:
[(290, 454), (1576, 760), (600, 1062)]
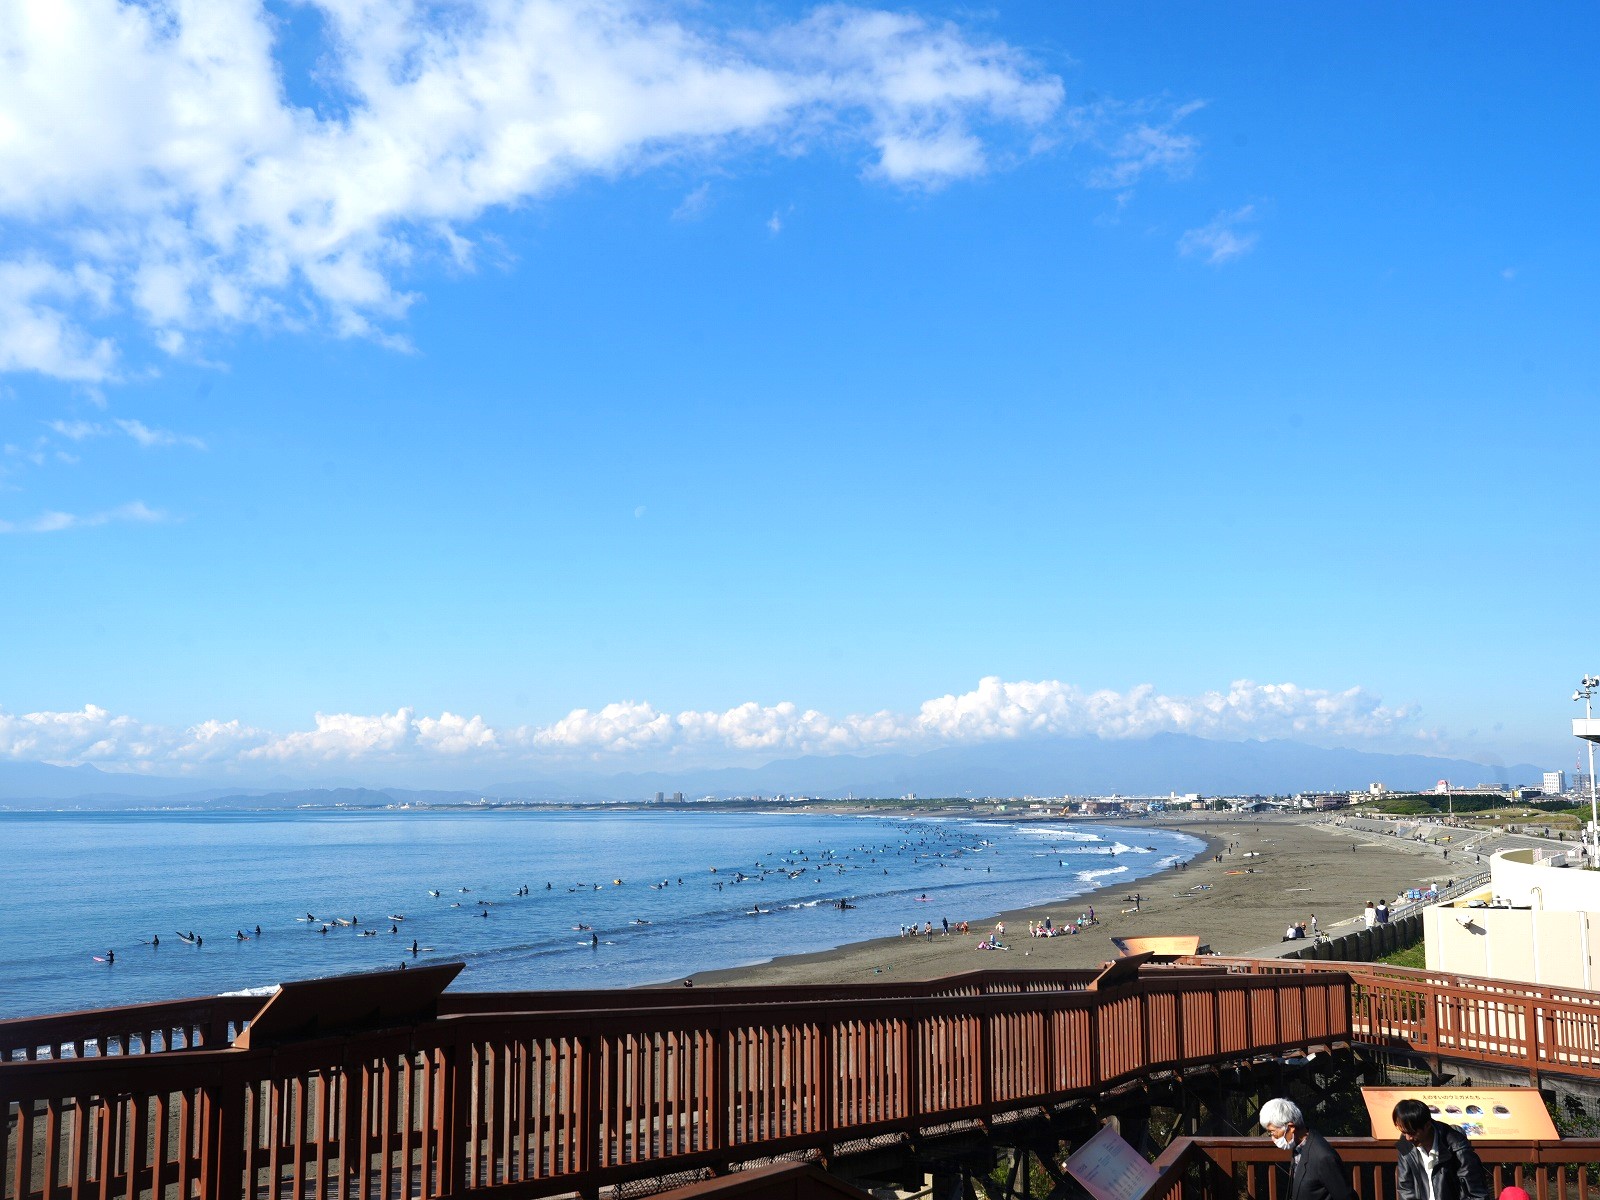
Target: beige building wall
[(1549, 936)]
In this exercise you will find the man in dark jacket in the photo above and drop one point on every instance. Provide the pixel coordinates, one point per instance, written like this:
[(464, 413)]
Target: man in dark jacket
[(1315, 1172), (1437, 1162)]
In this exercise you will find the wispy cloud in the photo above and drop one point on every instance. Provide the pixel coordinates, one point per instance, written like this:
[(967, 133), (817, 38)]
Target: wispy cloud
[(57, 522), (628, 734), (148, 437), (76, 431), (79, 430), (185, 190), (693, 205), (1221, 240), (1138, 141)]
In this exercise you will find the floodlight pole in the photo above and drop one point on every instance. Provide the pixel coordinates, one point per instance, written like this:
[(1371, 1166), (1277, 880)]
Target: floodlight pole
[(1587, 692)]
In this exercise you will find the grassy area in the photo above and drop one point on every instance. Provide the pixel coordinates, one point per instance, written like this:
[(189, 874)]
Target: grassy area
[(1411, 956)]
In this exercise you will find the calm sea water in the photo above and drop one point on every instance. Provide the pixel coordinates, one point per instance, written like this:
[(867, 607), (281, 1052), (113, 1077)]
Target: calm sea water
[(78, 885)]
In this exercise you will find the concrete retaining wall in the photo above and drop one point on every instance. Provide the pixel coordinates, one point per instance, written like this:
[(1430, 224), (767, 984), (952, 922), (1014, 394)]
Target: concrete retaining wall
[(1366, 945)]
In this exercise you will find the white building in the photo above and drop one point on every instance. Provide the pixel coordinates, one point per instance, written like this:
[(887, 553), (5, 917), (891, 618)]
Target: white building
[(1555, 783), (1537, 921)]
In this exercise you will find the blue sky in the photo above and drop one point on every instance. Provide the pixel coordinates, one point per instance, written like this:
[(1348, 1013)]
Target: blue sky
[(454, 390)]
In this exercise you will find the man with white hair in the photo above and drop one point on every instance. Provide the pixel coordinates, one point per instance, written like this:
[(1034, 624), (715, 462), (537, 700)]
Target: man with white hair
[(1315, 1172)]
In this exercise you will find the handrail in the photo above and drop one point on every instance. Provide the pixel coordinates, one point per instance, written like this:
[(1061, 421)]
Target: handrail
[(1535, 1028), (214, 1021), (540, 1097), (130, 1029), (1231, 1168)]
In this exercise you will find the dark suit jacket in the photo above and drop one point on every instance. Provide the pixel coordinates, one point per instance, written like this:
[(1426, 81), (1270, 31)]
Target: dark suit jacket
[(1316, 1172), (1458, 1175)]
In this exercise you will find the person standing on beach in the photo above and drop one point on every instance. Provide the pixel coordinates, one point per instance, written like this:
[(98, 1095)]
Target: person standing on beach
[(1315, 1170), (1370, 914)]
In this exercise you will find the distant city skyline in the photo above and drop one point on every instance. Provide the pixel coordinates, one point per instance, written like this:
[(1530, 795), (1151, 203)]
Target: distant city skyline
[(547, 383)]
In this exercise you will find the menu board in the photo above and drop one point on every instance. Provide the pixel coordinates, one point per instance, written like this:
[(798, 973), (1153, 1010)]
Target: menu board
[(1486, 1114)]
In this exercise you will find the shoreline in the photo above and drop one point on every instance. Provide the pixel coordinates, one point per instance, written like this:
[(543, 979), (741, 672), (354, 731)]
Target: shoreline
[(1273, 870)]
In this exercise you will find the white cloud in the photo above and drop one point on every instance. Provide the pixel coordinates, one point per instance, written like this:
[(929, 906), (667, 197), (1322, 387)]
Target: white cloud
[(615, 728), (1136, 142), (693, 205), (148, 437), (152, 155), (634, 733), (76, 431), (79, 430), (136, 511), (1220, 241), (342, 737), (36, 332)]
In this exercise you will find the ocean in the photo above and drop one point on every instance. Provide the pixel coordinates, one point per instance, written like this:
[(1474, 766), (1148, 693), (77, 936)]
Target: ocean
[(527, 899)]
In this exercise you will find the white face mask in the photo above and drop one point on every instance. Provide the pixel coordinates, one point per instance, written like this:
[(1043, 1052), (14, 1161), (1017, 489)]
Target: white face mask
[(1282, 1143)]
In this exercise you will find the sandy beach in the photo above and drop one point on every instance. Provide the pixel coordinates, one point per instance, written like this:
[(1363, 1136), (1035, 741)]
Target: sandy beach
[(1273, 870)]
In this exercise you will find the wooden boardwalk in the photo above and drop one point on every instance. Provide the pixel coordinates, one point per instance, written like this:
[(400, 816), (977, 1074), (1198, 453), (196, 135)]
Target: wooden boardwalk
[(532, 1094)]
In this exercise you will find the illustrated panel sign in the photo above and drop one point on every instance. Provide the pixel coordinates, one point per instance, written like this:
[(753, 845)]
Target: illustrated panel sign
[(1485, 1114)]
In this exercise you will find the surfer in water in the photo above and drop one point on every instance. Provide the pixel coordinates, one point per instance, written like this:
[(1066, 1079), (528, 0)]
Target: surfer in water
[(111, 957)]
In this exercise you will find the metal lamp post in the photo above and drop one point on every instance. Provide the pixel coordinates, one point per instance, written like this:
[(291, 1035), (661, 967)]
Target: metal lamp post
[(1585, 693)]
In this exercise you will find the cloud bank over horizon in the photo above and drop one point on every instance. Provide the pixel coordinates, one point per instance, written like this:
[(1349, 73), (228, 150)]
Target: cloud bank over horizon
[(632, 735)]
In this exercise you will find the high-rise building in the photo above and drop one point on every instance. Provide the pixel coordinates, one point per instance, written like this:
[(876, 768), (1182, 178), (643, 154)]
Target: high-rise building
[(660, 797), (1555, 783)]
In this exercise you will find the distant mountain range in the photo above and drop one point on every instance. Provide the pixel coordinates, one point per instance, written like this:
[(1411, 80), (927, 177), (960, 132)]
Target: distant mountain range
[(1041, 767)]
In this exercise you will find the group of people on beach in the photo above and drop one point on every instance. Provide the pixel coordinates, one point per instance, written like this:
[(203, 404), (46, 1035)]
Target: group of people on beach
[(1047, 928)]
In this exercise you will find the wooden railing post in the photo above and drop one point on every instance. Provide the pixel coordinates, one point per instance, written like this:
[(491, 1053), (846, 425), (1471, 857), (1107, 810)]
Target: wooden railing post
[(227, 1134), (590, 1114), (912, 1074), (986, 1061), (829, 1074), (1531, 1039), (1096, 1075), (455, 1117), (1144, 1027), (1052, 1061), (721, 1108)]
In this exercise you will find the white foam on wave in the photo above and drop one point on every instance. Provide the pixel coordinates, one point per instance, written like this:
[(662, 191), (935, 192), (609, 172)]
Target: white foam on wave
[(1091, 876), (1065, 835)]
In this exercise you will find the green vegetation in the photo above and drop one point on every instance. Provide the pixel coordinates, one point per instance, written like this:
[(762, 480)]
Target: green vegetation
[(1411, 956), (1403, 806)]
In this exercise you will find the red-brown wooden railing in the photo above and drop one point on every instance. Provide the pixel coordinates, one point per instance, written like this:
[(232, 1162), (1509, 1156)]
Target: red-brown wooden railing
[(1230, 1168), (1530, 1027), (523, 1096)]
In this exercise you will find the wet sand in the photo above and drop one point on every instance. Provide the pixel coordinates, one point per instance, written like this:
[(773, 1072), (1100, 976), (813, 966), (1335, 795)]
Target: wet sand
[(1300, 866)]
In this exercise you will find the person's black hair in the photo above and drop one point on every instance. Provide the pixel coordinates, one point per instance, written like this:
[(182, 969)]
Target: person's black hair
[(1412, 1116)]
